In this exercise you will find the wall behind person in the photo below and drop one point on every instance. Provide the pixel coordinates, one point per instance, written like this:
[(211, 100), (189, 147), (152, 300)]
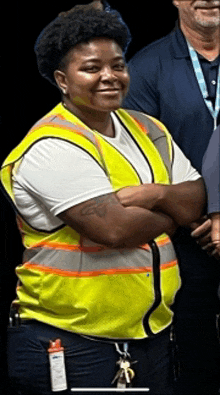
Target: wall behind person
[(33, 96)]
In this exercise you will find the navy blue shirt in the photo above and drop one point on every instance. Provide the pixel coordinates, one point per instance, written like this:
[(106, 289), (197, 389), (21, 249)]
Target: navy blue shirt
[(211, 172), (210, 71), (164, 85)]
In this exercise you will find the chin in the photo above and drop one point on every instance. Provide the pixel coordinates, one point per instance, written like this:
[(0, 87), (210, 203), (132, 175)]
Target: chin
[(110, 106), (212, 22)]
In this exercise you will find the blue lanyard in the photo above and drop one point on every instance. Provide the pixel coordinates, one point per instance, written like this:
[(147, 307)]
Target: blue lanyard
[(202, 84)]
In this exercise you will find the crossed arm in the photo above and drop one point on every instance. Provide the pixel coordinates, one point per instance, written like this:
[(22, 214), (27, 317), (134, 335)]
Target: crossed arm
[(183, 202), (104, 220), (136, 215)]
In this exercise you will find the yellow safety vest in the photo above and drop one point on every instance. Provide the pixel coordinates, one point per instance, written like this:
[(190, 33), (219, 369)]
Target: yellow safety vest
[(77, 285)]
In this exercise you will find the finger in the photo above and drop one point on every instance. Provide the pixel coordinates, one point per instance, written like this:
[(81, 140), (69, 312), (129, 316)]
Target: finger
[(216, 244), (123, 195), (213, 250), (202, 229), (194, 225), (208, 248), (215, 254), (204, 240)]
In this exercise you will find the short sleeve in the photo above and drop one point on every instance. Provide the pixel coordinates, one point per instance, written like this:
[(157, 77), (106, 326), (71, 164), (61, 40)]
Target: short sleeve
[(61, 175), (182, 169)]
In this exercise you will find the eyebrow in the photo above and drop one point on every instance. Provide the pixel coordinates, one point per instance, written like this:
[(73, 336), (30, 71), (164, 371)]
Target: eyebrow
[(93, 59)]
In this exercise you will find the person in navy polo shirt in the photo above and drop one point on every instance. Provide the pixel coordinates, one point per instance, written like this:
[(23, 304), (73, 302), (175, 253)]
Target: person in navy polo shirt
[(177, 80)]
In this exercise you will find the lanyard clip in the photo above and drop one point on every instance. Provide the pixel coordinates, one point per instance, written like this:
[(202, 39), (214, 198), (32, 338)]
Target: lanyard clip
[(125, 374)]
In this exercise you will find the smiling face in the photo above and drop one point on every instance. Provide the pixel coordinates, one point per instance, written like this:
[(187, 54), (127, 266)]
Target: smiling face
[(95, 77), (199, 13)]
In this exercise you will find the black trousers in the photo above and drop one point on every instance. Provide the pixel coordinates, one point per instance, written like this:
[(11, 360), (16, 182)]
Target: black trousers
[(199, 356), (89, 364)]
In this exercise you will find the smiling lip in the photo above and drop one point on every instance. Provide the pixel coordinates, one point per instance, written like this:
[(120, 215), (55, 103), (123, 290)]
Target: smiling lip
[(206, 7), (108, 90)]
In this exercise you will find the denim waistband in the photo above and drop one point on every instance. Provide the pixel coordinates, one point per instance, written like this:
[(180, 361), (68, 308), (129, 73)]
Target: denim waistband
[(45, 331)]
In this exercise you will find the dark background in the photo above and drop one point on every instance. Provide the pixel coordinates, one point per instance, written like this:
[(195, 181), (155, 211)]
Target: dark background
[(27, 97)]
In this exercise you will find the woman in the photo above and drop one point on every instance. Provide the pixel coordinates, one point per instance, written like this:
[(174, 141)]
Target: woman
[(99, 273)]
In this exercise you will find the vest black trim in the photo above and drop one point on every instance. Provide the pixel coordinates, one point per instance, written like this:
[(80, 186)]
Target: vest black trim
[(116, 149), (157, 287), (140, 149)]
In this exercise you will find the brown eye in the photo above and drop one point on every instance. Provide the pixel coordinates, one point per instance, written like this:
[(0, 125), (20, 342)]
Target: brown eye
[(119, 67), (91, 69)]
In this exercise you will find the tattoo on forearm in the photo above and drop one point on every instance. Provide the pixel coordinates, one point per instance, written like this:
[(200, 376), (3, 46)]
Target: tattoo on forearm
[(99, 206)]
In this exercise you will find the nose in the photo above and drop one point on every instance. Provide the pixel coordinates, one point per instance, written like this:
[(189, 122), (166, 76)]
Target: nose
[(107, 74)]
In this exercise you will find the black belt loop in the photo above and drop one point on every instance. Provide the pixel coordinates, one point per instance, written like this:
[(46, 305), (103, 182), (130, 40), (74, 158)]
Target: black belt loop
[(14, 317)]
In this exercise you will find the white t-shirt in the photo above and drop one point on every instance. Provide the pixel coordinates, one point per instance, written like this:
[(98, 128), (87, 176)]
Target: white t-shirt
[(55, 175)]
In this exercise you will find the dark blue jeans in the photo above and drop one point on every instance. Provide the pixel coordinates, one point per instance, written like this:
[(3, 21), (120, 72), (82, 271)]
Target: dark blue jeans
[(89, 364)]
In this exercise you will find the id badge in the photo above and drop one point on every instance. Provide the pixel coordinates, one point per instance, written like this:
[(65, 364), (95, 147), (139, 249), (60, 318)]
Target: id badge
[(57, 366)]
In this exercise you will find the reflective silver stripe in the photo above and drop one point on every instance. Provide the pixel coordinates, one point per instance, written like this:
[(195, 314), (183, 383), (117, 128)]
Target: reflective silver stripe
[(102, 261), (157, 136), (89, 135), (167, 253), (55, 120)]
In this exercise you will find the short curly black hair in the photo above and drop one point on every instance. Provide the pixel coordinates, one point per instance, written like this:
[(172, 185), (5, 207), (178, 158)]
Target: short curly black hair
[(80, 24)]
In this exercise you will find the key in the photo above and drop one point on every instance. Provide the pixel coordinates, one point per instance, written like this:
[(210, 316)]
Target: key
[(118, 374), (122, 383), (124, 366), (124, 375)]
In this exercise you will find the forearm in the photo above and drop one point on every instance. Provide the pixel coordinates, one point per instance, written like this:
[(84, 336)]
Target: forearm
[(139, 226), (105, 221), (184, 202)]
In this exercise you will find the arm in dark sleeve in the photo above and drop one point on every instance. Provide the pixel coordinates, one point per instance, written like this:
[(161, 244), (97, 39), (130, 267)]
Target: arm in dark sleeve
[(143, 92), (211, 172)]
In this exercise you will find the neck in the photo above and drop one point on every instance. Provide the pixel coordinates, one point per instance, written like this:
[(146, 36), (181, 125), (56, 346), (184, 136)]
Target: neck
[(204, 40), (100, 121)]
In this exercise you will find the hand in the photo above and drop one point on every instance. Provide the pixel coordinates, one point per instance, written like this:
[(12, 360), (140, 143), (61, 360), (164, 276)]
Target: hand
[(215, 232), (183, 202), (144, 196), (201, 231), (216, 249), (202, 234)]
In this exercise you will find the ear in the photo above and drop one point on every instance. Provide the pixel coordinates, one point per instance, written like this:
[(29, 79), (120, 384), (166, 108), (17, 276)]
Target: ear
[(176, 3), (60, 78), (97, 4)]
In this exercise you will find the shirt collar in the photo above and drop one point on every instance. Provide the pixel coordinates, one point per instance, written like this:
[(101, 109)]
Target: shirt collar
[(213, 63), (180, 47)]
